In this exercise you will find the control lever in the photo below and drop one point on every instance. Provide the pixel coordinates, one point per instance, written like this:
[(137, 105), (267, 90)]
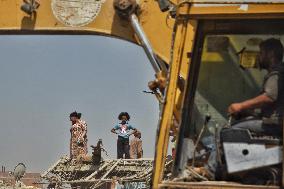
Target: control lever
[(206, 121), (228, 125)]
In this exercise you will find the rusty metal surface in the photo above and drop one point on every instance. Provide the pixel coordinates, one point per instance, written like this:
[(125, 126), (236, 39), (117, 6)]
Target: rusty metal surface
[(76, 12), (125, 8)]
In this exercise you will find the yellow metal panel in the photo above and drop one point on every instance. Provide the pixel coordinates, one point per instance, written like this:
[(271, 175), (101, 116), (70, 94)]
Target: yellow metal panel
[(182, 46), (106, 23), (236, 11)]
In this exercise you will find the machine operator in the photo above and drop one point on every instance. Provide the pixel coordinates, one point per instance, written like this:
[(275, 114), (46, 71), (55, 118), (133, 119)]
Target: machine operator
[(271, 99)]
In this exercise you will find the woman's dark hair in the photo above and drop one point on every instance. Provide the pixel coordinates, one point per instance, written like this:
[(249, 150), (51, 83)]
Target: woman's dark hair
[(76, 114), (124, 114)]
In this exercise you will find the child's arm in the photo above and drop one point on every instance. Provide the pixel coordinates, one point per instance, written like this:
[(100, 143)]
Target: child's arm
[(113, 130), (134, 130)]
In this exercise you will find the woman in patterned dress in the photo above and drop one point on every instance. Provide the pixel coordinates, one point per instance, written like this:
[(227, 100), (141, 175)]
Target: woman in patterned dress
[(78, 141)]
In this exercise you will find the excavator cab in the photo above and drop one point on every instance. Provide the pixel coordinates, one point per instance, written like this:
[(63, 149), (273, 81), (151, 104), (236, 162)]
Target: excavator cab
[(224, 70)]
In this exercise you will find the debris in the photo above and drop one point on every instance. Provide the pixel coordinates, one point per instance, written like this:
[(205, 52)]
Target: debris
[(191, 174), (89, 175)]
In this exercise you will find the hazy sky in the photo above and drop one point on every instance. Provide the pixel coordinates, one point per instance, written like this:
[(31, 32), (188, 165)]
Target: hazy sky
[(44, 78)]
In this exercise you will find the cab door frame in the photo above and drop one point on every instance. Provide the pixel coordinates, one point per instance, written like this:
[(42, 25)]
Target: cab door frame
[(221, 27)]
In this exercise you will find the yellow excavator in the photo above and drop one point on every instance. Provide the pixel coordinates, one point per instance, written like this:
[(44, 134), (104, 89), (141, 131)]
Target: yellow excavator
[(203, 53)]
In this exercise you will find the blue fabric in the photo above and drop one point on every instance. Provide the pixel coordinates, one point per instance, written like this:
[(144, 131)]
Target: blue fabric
[(124, 131)]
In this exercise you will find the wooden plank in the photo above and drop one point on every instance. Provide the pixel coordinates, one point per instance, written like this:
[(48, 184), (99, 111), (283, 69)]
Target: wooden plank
[(96, 172)]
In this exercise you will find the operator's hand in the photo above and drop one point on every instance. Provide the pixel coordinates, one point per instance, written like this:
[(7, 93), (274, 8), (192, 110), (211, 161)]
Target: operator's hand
[(235, 108)]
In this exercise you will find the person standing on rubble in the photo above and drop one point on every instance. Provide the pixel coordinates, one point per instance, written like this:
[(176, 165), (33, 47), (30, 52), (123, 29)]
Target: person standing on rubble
[(136, 150), (78, 141), (124, 131)]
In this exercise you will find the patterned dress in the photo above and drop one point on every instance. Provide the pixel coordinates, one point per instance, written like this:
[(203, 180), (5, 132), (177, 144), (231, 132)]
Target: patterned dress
[(77, 145)]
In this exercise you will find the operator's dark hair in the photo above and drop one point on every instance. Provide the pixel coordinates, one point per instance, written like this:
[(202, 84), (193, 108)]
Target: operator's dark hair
[(124, 114), (75, 114), (274, 45)]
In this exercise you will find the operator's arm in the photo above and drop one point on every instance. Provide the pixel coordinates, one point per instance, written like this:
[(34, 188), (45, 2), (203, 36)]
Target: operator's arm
[(256, 102), (269, 95)]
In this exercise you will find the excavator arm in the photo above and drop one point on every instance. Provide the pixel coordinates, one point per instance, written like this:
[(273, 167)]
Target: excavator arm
[(97, 17)]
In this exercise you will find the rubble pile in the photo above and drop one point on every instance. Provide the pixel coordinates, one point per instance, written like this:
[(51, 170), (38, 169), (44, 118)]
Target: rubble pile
[(87, 175)]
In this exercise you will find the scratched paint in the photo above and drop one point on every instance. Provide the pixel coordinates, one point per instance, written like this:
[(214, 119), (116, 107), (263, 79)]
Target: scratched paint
[(76, 12), (242, 7)]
